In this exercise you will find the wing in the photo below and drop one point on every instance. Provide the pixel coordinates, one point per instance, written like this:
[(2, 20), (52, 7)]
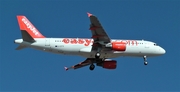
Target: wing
[(88, 61), (98, 33)]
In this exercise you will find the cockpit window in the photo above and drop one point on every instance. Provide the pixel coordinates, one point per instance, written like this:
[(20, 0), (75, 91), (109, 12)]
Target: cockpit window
[(155, 44)]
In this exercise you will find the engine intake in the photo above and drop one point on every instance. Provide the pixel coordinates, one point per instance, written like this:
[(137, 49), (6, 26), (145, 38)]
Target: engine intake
[(119, 46)]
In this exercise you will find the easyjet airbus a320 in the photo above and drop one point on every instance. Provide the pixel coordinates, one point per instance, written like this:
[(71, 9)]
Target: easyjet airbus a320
[(98, 50)]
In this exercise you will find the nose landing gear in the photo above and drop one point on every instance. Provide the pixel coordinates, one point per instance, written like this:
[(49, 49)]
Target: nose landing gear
[(145, 60)]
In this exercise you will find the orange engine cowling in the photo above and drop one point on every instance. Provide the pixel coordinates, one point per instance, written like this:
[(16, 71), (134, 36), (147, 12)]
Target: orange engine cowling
[(119, 46), (110, 64)]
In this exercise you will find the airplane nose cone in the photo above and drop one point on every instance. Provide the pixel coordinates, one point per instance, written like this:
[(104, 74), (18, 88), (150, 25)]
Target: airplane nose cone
[(162, 51)]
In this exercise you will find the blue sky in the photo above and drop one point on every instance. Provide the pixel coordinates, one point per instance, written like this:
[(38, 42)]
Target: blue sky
[(32, 70)]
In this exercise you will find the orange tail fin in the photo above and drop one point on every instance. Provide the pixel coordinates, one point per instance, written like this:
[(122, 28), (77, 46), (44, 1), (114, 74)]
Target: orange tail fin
[(26, 25)]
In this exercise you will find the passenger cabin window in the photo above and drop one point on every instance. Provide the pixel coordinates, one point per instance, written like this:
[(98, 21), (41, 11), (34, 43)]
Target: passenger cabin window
[(57, 40)]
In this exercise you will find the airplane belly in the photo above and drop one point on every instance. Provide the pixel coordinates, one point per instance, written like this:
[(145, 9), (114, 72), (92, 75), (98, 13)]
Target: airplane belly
[(138, 51), (40, 44), (88, 53), (70, 49), (86, 50)]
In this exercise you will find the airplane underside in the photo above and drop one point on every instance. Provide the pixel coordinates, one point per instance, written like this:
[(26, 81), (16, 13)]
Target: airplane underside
[(99, 49), (109, 54)]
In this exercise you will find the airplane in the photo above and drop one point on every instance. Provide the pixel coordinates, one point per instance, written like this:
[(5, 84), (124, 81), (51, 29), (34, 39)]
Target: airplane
[(99, 49)]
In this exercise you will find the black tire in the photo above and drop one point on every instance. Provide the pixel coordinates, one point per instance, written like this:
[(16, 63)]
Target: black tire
[(145, 63), (92, 67)]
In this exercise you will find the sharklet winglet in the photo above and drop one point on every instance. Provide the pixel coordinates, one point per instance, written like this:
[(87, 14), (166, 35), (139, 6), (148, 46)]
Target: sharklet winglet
[(89, 14), (66, 68)]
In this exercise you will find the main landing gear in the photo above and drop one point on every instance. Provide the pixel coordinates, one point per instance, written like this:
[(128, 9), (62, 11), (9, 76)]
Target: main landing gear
[(92, 66), (97, 55), (145, 60)]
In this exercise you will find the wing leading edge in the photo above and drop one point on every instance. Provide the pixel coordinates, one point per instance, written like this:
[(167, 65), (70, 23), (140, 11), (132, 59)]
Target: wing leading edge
[(98, 33), (100, 38), (88, 61)]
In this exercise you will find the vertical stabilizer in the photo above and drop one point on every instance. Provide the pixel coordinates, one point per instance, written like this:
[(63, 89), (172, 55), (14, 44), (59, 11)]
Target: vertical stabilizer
[(29, 32)]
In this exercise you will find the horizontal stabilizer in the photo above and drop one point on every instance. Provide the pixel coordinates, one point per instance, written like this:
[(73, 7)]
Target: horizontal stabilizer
[(20, 47)]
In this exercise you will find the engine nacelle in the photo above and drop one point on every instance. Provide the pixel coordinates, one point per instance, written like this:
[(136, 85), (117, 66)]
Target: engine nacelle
[(119, 46), (108, 64)]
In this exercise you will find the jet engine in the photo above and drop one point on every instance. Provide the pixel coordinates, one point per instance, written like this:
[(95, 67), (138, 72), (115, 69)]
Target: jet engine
[(108, 64), (117, 46)]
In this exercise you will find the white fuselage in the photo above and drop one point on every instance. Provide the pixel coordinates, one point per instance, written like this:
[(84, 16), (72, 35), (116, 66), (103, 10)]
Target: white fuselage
[(83, 46)]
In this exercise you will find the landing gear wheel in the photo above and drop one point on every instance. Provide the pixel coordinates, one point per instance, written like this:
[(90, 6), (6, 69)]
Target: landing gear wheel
[(97, 55), (92, 66), (145, 62)]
